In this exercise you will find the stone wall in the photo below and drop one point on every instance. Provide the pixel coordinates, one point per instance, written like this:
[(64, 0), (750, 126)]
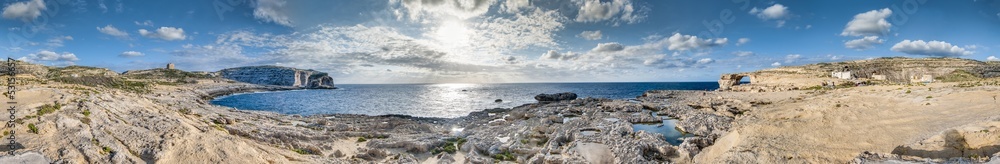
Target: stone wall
[(276, 75)]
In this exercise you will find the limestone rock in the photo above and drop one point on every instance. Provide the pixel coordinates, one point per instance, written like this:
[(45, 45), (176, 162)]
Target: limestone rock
[(556, 97), (281, 76)]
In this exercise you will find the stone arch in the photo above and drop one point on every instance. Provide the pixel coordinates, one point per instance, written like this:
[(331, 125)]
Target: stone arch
[(729, 80)]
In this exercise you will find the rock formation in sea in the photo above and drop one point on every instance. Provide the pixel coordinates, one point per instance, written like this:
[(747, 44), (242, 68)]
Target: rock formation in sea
[(277, 75), (556, 96)]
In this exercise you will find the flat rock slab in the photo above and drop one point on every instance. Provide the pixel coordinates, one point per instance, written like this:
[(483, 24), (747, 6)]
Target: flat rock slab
[(29, 157)]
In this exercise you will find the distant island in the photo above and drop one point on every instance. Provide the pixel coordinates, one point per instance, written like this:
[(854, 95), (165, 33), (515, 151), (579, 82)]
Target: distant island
[(876, 110)]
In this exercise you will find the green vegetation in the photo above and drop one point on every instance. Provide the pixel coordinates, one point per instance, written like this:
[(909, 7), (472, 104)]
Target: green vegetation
[(32, 128), (505, 156), (817, 87), (48, 108), (907, 91), (86, 113), (108, 82), (362, 139), (106, 150), (300, 151), (929, 97), (958, 76), (450, 146)]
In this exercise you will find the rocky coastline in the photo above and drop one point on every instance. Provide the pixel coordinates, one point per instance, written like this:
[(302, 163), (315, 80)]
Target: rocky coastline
[(145, 117)]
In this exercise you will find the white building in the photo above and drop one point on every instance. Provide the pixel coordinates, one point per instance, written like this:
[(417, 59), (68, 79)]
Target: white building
[(842, 75)]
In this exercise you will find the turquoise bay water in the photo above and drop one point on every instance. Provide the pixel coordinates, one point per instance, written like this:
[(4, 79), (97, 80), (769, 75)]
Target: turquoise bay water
[(444, 100), (433, 100)]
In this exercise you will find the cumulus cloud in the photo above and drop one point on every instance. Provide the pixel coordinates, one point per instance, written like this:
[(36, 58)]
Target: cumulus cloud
[(536, 28), (776, 64), (705, 61), (992, 58), (679, 42), (742, 41), (165, 33), (775, 12), (608, 47), (48, 56), (25, 11), (131, 54), (598, 10), (869, 23), (272, 11), (419, 10), (743, 53), (591, 35), (863, 43), (514, 6), (111, 30), (931, 48), (553, 54)]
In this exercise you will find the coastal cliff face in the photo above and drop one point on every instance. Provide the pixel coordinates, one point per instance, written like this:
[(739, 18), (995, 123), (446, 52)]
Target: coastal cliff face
[(890, 70), (276, 75)]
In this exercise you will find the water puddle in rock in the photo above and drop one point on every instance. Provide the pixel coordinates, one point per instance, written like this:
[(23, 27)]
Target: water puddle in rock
[(667, 128)]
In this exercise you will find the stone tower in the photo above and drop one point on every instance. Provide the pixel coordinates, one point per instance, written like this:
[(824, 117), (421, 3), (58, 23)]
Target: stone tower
[(170, 65)]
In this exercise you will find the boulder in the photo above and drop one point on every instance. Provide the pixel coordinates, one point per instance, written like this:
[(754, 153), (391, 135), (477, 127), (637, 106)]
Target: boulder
[(556, 97)]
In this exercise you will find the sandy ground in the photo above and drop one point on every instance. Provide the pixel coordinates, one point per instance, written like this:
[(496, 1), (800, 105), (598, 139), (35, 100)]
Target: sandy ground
[(836, 125)]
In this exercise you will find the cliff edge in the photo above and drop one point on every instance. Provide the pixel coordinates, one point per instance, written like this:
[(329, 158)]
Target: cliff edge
[(277, 75)]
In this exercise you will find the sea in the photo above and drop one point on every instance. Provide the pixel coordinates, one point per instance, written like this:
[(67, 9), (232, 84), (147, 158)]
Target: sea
[(433, 100)]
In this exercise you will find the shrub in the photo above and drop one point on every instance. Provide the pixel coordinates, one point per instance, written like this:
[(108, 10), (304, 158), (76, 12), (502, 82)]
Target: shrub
[(362, 139), (32, 128), (86, 113), (505, 156), (47, 108), (907, 91)]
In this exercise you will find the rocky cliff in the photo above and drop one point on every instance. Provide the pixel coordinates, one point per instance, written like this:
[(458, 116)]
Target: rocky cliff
[(277, 75), (886, 70)]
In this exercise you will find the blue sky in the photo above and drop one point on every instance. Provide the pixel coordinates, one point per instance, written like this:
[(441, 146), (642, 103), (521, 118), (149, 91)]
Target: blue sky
[(494, 41)]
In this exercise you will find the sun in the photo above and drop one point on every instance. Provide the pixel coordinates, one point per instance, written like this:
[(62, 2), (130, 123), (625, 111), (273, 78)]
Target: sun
[(452, 34)]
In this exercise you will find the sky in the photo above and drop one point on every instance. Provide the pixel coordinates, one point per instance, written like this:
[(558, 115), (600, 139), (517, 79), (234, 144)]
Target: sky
[(494, 41)]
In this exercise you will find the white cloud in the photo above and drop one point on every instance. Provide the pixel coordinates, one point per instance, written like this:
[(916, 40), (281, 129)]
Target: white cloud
[(863, 43), (792, 58), (869, 24), (743, 53), (49, 56), (25, 11), (775, 12), (272, 11), (776, 64), (165, 33), (705, 61), (931, 48), (536, 28), (552, 54), (144, 23), (514, 6), (131, 54), (111, 30), (742, 41), (57, 41), (992, 58), (591, 35), (679, 42), (608, 47), (834, 57), (598, 10), (418, 10)]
